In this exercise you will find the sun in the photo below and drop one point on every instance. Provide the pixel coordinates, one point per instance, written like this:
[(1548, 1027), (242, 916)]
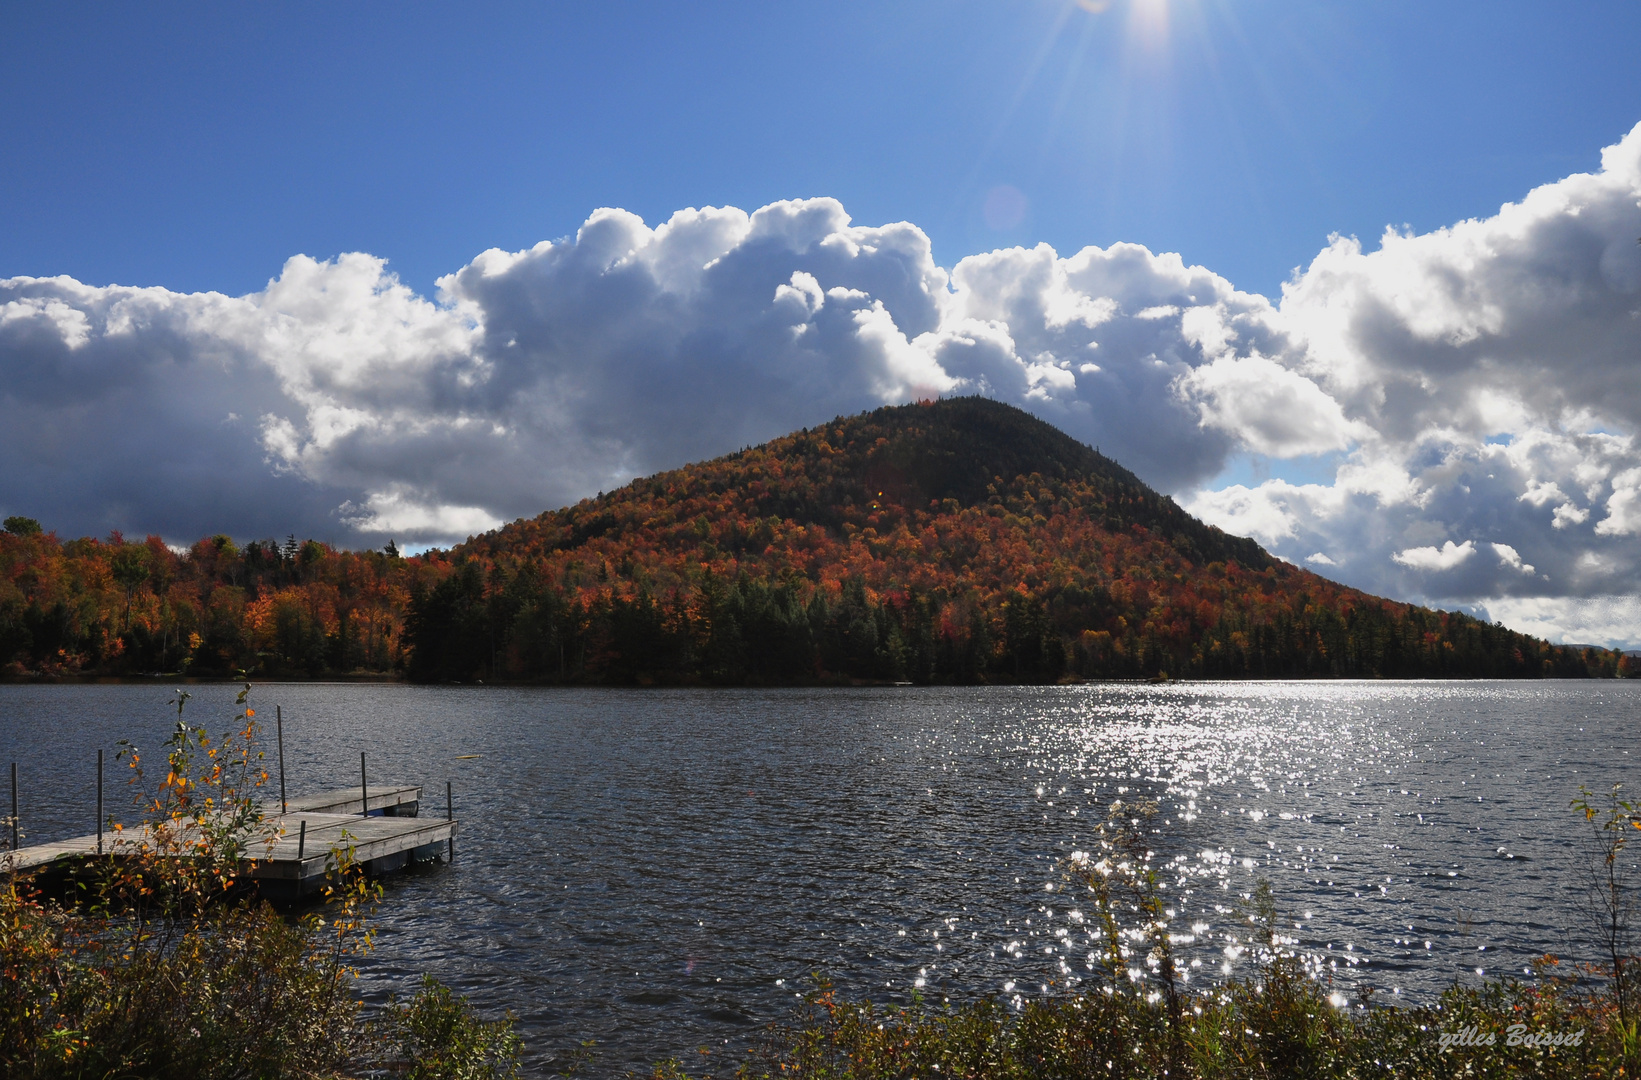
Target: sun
[(1147, 19), (1148, 22)]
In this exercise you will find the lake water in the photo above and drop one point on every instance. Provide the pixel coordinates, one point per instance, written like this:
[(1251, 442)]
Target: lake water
[(662, 871)]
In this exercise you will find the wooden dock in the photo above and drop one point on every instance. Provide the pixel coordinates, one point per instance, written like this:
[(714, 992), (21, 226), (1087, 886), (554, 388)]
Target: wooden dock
[(388, 836)]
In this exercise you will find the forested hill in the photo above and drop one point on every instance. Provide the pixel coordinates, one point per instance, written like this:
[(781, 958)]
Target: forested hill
[(883, 471), (956, 541)]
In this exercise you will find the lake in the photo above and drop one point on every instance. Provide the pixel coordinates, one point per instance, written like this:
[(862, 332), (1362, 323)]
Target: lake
[(662, 871)]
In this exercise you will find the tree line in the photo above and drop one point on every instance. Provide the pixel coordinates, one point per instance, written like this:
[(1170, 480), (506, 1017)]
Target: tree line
[(479, 625), (304, 609)]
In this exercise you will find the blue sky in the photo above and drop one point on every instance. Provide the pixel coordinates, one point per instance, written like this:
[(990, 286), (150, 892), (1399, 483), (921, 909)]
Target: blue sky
[(409, 271), (197, 146)]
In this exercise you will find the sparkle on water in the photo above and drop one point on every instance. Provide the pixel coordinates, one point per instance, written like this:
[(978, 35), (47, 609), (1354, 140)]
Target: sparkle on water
[(664, 870)]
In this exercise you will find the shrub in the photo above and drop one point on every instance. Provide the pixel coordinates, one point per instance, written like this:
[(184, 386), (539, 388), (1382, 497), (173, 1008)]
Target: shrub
[(159, 963), (437, 1037)]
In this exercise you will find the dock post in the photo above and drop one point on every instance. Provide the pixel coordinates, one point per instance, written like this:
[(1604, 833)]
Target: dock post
[(14, 806), (279, 722), (364, 789), (450, 815), (301, 843), (99, 801)]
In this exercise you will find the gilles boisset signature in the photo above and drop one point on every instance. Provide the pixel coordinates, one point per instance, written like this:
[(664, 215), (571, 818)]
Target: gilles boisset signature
[(1514, 1035)]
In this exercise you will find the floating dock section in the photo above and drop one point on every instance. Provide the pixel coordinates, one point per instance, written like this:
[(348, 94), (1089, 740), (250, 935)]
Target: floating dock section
[(379, 822)]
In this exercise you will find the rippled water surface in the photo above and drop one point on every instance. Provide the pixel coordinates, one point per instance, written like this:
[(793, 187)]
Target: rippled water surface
[(661, 871)]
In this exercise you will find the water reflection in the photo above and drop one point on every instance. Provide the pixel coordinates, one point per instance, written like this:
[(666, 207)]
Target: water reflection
[(663, 871)]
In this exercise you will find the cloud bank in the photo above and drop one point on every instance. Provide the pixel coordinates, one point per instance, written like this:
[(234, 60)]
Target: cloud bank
[(1473, 392)]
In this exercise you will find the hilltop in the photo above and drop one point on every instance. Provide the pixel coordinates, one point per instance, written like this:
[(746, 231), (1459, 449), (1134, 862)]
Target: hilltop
[(958, 541)]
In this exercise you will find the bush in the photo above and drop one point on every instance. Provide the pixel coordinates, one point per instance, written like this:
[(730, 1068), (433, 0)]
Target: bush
[(437, 1037), (160, 965)]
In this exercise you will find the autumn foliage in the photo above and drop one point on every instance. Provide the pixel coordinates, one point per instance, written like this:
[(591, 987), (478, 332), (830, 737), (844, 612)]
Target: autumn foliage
[(116, 607), (956, 541)]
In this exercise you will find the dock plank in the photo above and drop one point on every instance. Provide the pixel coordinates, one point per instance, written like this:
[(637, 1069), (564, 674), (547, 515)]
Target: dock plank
[(383, 797), (383, 841)]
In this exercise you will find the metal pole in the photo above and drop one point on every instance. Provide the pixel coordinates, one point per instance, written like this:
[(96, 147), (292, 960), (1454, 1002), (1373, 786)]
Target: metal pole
[(450, 815), (14, 806), (279, 721), (99, 801), (301, 842), (364, 789)]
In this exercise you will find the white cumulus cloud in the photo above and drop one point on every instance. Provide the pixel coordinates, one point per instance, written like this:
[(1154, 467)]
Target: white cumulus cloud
[(1445, 557), (535, 377), (1509, 556), (1487, 372), (1273, 410)]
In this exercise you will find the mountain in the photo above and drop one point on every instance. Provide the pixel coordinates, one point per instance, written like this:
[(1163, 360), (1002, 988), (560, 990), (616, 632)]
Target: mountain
[(961, 540), (958, 541)]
